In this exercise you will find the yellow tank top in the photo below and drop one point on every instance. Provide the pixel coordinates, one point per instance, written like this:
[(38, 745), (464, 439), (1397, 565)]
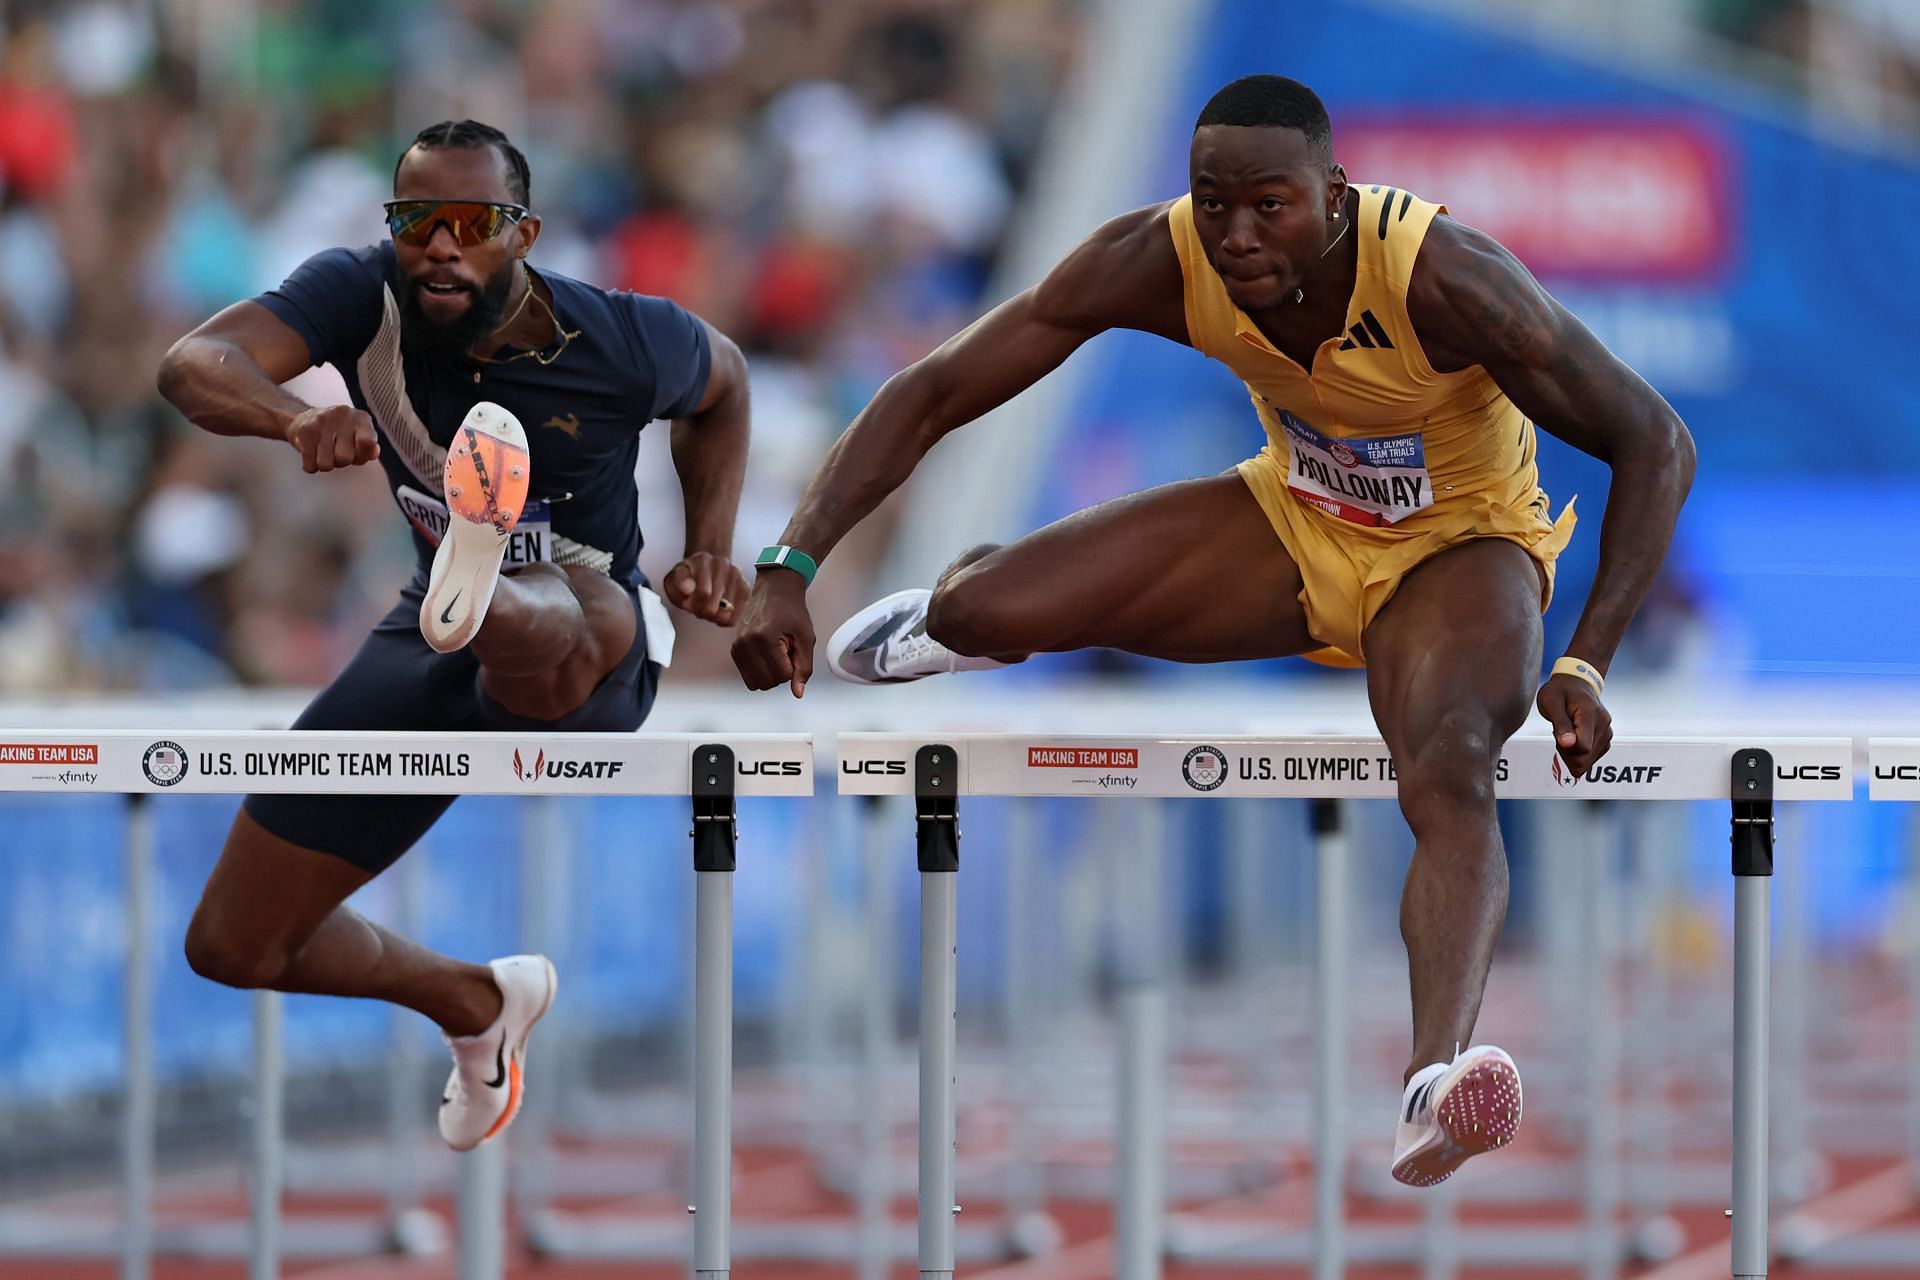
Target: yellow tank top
[(1374, 435)]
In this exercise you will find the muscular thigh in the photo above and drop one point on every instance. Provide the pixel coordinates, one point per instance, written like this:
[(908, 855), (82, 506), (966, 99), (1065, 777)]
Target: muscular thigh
[(1456, 653), (1191, 571), (610, 631)]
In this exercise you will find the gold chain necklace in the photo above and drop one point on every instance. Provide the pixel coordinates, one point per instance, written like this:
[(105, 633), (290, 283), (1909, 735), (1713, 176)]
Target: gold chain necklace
[(534, 354)]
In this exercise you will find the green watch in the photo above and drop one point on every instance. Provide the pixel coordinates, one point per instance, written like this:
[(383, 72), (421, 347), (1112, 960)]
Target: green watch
[(785, 557)]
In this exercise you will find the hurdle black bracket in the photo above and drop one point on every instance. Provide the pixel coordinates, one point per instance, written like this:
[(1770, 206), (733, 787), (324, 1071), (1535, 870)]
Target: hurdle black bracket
[(936, 806), (715, 830), (1323, 816), (1752, 812)]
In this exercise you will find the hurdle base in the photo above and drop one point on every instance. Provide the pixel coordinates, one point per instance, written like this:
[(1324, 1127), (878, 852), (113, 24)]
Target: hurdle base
[(310, 1237), (1200, 1242), (1876, 1249), (596, 1238)]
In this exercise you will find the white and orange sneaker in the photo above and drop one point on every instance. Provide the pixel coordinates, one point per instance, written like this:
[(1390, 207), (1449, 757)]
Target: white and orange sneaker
[(485, 483), (483, 1093), (1454, 1111)]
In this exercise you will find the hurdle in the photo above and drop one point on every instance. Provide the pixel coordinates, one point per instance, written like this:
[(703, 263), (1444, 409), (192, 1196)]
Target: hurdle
[(710, 770), (1749, 774)]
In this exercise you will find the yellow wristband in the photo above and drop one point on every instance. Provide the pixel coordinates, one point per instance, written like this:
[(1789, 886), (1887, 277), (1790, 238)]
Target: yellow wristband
[(1580, 670)]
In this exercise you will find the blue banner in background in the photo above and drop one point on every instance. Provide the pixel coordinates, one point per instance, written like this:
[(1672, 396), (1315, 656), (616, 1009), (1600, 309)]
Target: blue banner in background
[(624, 913), (1758, 275)]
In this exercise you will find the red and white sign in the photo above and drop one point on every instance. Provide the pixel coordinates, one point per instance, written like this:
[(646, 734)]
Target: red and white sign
[(48, 753), (1611, 197), (1083, 757)]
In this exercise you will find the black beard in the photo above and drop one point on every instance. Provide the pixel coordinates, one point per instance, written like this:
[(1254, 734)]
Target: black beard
[(458, 337)]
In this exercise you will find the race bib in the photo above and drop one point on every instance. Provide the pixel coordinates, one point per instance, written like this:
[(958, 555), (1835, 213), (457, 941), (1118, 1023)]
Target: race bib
[(531, 541), (1374, 482)]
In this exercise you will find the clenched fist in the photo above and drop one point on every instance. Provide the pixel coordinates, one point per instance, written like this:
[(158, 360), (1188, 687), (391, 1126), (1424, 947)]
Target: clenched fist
[(707, 586), (335, 435)]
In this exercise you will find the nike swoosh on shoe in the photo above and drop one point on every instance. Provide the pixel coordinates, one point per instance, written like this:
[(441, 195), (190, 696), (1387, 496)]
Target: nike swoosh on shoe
[(499, 1080)]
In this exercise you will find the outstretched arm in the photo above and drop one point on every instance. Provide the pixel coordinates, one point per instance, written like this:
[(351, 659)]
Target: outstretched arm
[(1125, 275), (1472, 303)]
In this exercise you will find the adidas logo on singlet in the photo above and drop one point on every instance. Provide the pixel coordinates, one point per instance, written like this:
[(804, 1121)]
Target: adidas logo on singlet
[(1368, 333)]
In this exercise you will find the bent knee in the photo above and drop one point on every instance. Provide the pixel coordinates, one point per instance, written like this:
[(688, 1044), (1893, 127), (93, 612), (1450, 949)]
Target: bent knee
[(965, 616), (219, 955), (1451, 771)]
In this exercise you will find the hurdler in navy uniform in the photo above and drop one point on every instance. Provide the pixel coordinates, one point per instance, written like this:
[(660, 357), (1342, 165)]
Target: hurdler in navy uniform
[(505, 405)]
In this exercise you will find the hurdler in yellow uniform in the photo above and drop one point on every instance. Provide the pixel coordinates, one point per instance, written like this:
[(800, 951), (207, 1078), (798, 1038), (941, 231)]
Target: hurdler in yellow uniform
[(1374, 460)]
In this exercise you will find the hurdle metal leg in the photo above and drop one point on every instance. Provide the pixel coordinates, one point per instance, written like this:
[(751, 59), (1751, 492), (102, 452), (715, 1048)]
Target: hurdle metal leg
[(937, 816), (267, 1174), (1140, 1194), (137, 1114), (480, 1199), (1752, 871), (714, 836), (1330, 1014)]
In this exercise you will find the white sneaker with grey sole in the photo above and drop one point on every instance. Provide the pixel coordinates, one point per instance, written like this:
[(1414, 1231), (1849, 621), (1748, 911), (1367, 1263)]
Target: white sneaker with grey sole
[(887, 643)]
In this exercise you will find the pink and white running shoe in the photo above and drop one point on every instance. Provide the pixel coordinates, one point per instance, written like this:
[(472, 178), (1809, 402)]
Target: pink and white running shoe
[(1454, 1111)]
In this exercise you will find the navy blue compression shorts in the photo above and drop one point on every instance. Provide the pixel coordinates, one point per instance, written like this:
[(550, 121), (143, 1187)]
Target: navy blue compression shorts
[(396, 682)]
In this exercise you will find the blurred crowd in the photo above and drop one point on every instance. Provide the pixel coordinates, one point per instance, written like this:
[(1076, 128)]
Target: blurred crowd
[(828, 181), (1857, 58)]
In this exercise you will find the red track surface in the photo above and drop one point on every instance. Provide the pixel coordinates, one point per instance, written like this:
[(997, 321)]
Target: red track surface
[(778, 1184)]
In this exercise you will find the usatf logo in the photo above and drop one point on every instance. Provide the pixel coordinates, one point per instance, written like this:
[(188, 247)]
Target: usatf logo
[(1610, 774), (165, 763), (525, 774), (1205, 768), (545, 768)]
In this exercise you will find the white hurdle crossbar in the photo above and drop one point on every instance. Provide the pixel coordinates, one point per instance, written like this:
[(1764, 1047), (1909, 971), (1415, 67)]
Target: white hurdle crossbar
[(1749, 774), (710, 769)]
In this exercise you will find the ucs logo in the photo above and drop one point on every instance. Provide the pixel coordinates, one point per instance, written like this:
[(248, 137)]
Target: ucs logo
[(770, 768), (873, 768), (1896, 772), (1808, 772)]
